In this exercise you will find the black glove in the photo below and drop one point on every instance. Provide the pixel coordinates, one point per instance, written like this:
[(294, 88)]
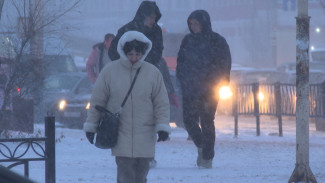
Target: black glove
[(90, 136), (162, 136)]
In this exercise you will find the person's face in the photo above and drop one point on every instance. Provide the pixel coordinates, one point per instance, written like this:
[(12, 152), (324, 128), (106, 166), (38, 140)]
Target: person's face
[(150, 20), (195, 26), (108, 43), (134, 56)]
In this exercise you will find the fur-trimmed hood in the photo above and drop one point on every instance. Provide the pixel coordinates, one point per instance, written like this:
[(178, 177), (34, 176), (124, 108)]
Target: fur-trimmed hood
[(145, 112), (130, 36)]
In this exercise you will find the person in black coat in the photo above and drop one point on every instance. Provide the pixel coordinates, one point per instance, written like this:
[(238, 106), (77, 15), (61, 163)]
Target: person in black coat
[(145, 21), (203, 65)]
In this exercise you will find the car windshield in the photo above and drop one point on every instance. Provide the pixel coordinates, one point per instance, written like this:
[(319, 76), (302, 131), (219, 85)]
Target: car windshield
[(257, 77), (316, 66), (59, 64), (263, 77), (318, 55), (84, 87), (292, 67), (61, 83)]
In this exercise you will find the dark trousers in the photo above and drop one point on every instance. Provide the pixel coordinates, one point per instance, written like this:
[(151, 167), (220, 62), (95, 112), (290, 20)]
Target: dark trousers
[(198, 114), (132, 170)]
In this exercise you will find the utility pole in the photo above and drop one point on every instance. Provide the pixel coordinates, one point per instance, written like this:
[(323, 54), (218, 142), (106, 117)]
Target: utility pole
[(302, 171), (273, 31), (35, 22), (1, 6)]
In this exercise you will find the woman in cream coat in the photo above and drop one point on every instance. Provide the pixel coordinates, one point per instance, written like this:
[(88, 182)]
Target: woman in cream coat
[(145, 113)]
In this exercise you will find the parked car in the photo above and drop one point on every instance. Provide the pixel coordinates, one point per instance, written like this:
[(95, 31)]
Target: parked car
[(318, 55), (261, 76), (316, 71), (315, 77), (66, 96), (237, 71), (290, 67), (56, 64)]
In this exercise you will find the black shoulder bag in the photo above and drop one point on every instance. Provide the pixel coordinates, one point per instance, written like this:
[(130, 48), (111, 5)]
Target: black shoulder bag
[(107, 130)]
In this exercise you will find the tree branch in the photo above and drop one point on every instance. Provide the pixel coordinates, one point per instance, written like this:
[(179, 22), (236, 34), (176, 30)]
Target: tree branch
[(27, 74), (59, 15)]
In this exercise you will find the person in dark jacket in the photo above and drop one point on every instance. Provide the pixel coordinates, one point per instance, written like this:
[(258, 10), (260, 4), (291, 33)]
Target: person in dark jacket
[(99, 57), (203, 65), (145, 21)]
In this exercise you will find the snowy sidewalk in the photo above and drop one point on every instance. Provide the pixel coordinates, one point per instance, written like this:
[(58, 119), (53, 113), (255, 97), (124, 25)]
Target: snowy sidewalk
[(248, 158)]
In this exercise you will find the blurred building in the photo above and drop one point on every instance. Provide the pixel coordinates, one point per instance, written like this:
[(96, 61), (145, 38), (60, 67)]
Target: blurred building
[(261, 33)]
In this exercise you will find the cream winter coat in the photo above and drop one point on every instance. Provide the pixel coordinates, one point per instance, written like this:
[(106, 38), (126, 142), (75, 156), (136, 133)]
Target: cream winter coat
[(146, 111)]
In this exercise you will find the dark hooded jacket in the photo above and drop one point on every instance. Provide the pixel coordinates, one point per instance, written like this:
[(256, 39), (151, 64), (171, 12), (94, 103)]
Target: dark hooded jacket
[(145, 9), (204, 59)]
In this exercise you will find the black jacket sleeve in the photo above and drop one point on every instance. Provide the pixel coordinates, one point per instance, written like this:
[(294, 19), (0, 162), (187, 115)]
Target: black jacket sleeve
[(112, 52), (180, 60), (155, 54), (225, 60), (221, 60)]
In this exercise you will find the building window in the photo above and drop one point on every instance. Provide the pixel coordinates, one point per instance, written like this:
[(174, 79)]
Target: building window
[(289, 5)]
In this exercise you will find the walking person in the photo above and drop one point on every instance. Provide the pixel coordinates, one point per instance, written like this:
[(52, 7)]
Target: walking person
[(145, 21), (99, 57), (203, 64), (145, 113)]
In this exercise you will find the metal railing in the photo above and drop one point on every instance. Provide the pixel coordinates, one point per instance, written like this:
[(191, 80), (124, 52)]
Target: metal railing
[(276, 99), (32, 149)]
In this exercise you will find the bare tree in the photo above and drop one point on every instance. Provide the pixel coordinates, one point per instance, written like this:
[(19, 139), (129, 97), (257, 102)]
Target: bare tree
[(35, 18)]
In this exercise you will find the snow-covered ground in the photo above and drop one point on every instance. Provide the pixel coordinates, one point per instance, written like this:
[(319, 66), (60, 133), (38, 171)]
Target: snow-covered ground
[(248, 158)]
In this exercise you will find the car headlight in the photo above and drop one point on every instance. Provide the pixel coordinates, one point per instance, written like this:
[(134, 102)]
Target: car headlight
[(88, 106), (225, 92), (62, 104), (260, 96)]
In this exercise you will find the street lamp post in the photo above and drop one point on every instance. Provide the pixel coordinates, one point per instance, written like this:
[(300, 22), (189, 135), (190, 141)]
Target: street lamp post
[(302, 171)]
